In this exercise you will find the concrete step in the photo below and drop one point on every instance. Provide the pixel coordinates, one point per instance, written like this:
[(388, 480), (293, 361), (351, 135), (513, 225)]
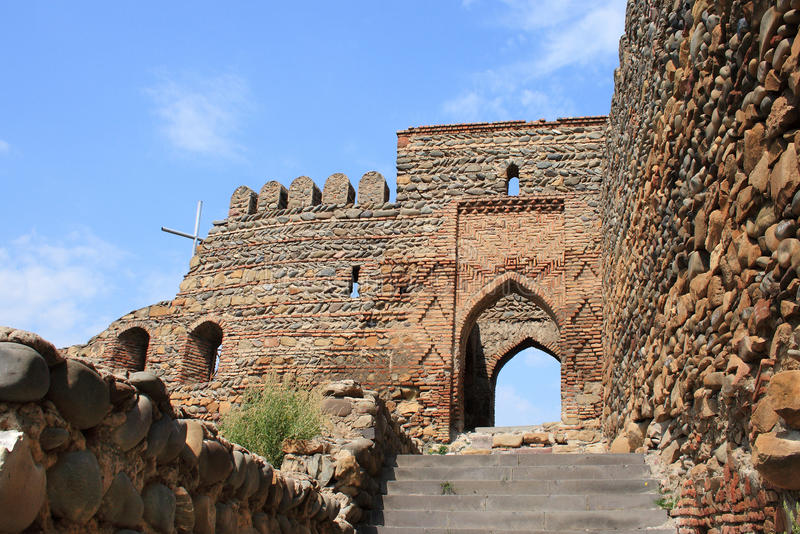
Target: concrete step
[(507, 429), (514, 460), (371, 529), (522, 487), (531, 503), (560, 472), (531, 521)]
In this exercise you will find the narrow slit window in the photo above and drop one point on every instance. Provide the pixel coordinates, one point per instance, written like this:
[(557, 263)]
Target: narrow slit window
[(354, 282), (512, 181)]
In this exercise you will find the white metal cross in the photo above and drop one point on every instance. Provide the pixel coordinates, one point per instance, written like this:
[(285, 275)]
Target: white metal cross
[(194, 237)]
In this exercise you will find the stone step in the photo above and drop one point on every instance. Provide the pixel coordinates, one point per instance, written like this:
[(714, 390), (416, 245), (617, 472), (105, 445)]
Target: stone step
[(516, 459), (561, 472), (508, 429), (370, 529), (532, 503), (522, 487), (531, 521)]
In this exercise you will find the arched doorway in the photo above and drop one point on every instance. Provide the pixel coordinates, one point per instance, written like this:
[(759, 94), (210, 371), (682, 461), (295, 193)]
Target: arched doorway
[(527, 387), (509, 319)]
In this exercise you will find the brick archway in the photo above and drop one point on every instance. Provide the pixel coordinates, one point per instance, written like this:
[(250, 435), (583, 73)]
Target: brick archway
[(478, 359)]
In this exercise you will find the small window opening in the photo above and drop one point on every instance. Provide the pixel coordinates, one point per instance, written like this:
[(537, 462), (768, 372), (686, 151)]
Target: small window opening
[(217, 357), (512, 183), (354, 282)]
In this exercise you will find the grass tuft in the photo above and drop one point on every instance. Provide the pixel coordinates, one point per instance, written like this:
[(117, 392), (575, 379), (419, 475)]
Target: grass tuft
[(271, 412)]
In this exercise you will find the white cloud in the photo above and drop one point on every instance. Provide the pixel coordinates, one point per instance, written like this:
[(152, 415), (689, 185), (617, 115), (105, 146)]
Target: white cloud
[(512, 409), (550, 36), (47, 285), (202, 116), (69, 289), (4, 146)]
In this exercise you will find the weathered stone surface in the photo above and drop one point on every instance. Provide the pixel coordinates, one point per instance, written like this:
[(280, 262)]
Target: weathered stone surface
[(777, 458), (22, 483), (122, 506), (184, 511), (783, 395), (512, 441), (74, 486), (53, 437), (336, 407), (226, 519), (80, 395), (150, 384), (175, 442), (342, 388), (306, 447), (159, 507), (215, 462), (24, 375), (205, 514), (193, 442), (136, 425), (536, 438)]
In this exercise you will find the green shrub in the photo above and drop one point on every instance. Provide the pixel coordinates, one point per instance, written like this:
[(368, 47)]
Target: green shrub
[(271, 412), (792, 518)]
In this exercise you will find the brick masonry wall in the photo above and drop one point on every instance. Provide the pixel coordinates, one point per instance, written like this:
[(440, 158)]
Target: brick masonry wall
[(275, 276), (701, 255)]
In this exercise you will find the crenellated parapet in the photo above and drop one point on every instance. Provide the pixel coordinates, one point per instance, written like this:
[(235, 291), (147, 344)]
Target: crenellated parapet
[(303, 195)]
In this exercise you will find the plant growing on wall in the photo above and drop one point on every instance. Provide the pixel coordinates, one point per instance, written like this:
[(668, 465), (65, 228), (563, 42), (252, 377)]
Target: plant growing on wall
[(271, 412)]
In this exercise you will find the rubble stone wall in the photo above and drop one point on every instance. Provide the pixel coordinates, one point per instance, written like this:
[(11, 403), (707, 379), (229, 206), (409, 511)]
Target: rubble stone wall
[(85, 452), (277, 276), (701, 255)]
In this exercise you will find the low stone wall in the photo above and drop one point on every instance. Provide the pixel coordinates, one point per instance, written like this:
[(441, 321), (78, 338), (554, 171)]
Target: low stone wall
[(359, 439), (85, 452)]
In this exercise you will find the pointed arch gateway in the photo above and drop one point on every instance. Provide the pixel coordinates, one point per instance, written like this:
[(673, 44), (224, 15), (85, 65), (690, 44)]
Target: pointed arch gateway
[(509, 315)]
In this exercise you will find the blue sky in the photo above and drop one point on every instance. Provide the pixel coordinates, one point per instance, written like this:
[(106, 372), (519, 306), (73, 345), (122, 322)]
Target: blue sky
[(117, 117)]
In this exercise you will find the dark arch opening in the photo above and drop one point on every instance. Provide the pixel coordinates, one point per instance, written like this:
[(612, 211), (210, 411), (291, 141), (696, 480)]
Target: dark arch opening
[(201, 355), (130, 349), (512, 180)]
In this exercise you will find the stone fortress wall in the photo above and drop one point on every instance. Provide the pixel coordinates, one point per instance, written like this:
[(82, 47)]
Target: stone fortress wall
[(701, 256), (82, 451), (272, 283)]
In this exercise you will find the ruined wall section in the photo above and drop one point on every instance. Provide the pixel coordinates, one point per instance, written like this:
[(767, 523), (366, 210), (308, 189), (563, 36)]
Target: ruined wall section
[(701, 256)]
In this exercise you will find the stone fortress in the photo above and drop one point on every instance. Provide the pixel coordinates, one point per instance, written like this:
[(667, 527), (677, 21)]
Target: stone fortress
[(655, 253), (452, 280)]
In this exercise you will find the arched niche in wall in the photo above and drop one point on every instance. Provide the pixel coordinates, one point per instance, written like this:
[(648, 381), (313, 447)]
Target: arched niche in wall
[(129, 349), (201, 352), (512, 180)]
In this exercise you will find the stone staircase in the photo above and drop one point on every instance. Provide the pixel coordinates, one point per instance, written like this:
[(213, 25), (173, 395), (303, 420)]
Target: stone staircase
[(515, 492)]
